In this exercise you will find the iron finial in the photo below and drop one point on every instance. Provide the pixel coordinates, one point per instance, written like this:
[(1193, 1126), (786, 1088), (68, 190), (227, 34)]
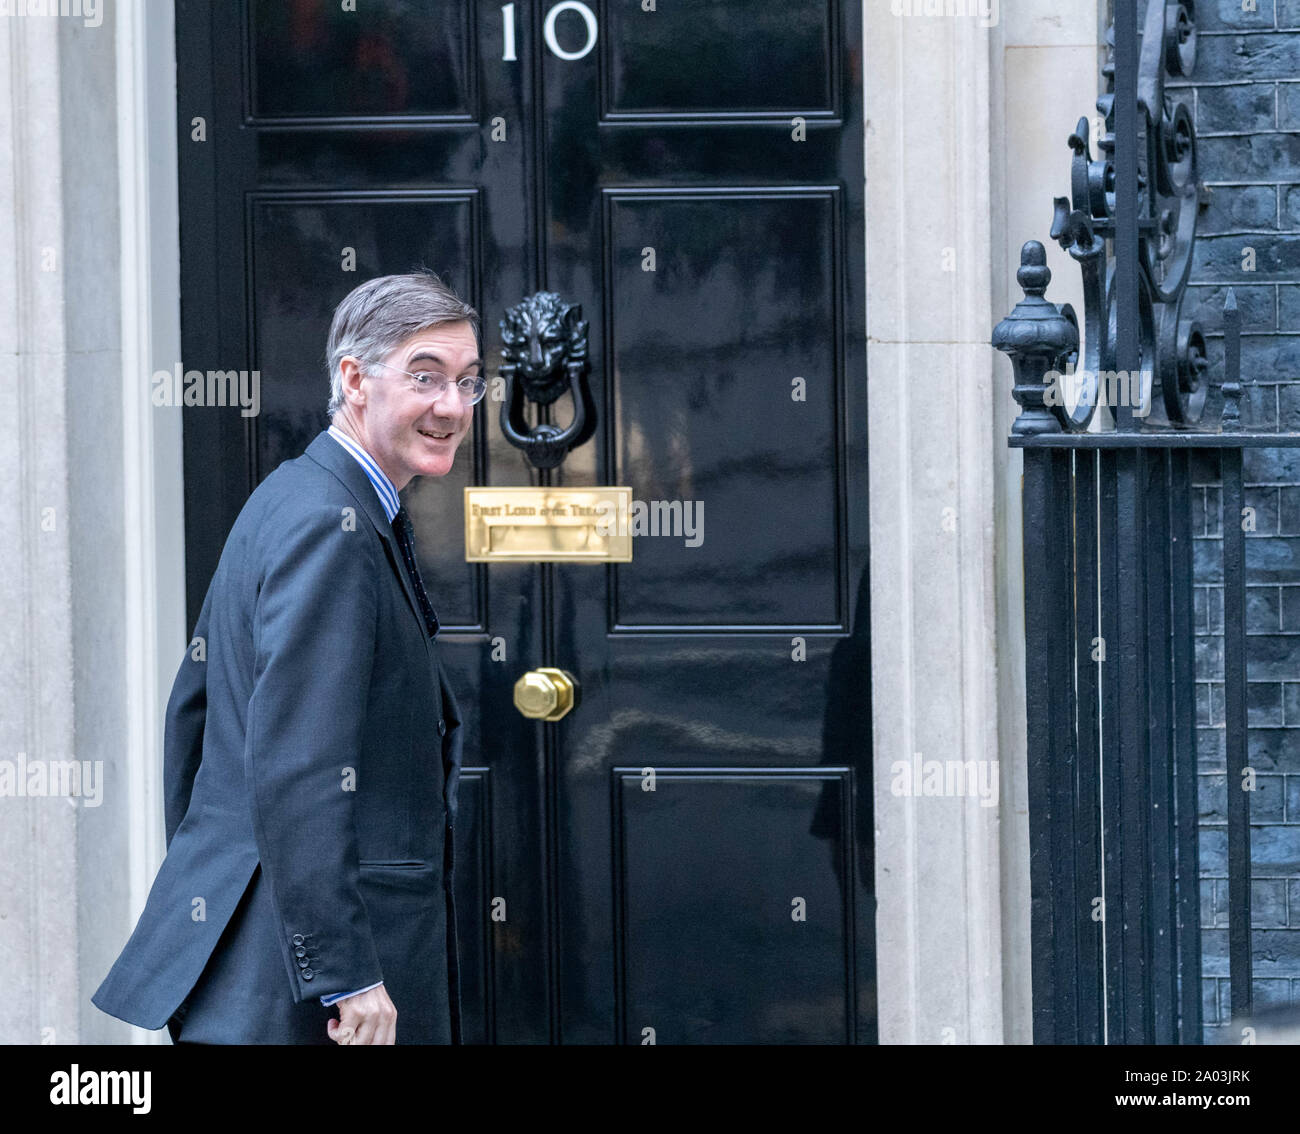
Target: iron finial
[(1041, 339)]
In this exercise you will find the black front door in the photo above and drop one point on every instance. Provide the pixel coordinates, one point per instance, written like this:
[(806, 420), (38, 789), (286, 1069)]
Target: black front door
[(686, 857)]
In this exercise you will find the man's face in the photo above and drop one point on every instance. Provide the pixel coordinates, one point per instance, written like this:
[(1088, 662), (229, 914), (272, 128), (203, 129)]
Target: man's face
[(406, 430)]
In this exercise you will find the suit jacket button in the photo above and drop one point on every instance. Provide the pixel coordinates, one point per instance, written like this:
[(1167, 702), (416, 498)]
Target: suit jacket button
[(303, 962), (442, 727), (297, 939), (307, 974), (300, 951)]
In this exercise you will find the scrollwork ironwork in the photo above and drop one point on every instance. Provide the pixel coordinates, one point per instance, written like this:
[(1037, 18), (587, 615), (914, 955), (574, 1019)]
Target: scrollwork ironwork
[(1172, 379)]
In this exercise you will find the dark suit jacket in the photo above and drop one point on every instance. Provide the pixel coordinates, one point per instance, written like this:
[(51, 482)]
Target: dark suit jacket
[(311, 765)]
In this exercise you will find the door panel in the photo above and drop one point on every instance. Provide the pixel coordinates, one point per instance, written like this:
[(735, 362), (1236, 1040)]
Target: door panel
[(397, 59), (296, 237), (721, 57), (702, 410), (733, 902), (695, 892)]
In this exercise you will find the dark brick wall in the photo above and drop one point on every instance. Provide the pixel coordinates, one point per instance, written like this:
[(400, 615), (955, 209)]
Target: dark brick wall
[(1246, 94)]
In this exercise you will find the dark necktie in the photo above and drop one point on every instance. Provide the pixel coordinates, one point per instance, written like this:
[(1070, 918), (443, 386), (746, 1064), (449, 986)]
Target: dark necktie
[(402, 529)]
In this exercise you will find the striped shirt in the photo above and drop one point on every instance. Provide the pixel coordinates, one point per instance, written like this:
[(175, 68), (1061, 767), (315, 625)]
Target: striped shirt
[(383, 486)]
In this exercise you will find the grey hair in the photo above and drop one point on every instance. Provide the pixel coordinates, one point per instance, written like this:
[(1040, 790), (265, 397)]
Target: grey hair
[(379, 315)]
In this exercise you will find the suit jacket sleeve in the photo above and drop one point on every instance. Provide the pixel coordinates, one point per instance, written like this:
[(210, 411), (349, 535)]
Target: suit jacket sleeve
[(183, 726), (314, 632)]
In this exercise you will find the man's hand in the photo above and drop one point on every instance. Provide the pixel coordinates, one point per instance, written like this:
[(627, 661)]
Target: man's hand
[(368, 1017)]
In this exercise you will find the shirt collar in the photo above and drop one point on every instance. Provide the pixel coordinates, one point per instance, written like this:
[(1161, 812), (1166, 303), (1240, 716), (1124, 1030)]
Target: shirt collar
[(383, 486)]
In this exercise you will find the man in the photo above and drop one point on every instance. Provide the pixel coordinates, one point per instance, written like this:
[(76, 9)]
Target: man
[(312, 745)]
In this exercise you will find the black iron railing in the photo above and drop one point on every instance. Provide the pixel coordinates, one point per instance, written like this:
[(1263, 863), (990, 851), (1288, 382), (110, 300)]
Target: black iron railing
[(1108, 428)]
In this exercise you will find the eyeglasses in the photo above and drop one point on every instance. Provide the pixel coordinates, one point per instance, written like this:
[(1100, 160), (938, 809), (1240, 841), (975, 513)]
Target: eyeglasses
[(431, 385)]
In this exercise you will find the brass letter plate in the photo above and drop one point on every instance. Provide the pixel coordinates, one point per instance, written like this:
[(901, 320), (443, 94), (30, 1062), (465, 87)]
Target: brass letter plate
[(547, 525)]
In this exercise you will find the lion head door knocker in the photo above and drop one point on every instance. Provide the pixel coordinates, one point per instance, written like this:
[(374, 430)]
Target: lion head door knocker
[(544, 353)]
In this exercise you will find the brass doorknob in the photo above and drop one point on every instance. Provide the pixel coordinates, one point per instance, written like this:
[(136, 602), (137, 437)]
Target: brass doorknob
[(546, 694)]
